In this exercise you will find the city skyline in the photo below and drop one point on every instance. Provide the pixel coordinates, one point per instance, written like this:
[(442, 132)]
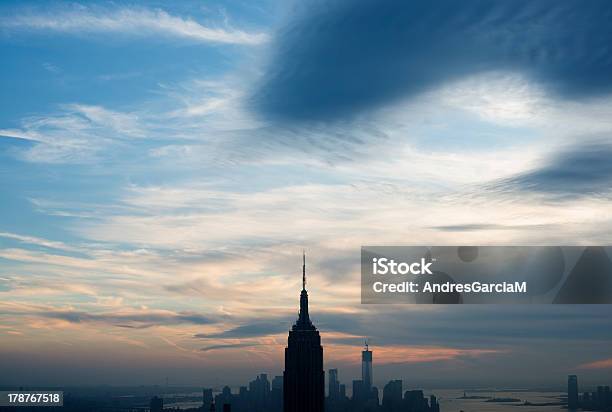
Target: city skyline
[(163, 165)]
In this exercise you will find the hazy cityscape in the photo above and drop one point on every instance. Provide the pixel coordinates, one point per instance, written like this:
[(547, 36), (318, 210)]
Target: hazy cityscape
[(302, 388), (265, 394)]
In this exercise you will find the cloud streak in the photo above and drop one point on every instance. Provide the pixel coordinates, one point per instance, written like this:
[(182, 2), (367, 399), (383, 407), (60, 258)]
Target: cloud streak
[(33, 240), (600, 364), (255, 329), (137, 22), (137, 320), (581, 170), (227, 346)]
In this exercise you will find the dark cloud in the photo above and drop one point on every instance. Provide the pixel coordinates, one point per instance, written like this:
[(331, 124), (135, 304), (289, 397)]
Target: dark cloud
[(581, 170), (464, 327), (333, 59), (467, 327), (228, 346), (272, 327), (131, 320)]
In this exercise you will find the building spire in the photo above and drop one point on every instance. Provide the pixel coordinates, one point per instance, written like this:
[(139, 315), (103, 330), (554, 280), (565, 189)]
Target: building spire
[(304, 270), (303, 321)]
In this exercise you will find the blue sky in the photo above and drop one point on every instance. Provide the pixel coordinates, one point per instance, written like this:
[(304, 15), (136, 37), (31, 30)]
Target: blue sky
[(162, 165)]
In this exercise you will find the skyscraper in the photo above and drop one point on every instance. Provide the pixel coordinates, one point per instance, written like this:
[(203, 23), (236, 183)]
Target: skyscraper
[(156, 404), (303, 378), (392, 396), (366, 369), (276, 395), (207, 398), (342, 391), (334, 385), (259, 393), (572, 392)]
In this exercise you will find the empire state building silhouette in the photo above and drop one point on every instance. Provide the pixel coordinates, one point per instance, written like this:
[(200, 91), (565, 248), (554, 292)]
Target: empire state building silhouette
[(303, 378)]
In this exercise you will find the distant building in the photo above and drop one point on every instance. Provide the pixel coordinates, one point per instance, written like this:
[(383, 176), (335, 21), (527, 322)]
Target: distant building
[(366, 368), (223, 398), (259, 394), (333, 384), (156, 405), (572, 392), (434, 406), (358, 391), (277, 383), (207, 398), (276, 395), (365, 396), (392, 396), (303, 378), (604, 399), (601, 400), (415, 401)]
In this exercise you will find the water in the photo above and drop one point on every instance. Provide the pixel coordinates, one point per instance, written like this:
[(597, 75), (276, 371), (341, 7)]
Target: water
[(449, 401)]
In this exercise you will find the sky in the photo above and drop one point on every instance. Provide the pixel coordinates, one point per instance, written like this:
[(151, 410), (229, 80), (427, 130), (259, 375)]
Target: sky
[(164, 164)]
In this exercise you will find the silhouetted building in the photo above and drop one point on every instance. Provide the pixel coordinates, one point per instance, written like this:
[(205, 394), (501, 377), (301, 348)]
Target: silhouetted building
[(336, 400), (276, 395), (259, 394), (415, 401), (303, 378), (223, 398), (601, 400), (277, 383), (342, 391), (157, 404), (373, 401), (604, 399), (207, 398), (434, 406), (392, 396), (365, 396), (366, 368), (358, 391), (333, 385), (586, 398), (572, 392)]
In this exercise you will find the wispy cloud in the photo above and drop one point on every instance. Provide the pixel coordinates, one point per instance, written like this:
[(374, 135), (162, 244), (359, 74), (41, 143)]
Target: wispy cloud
[(33, 240), (228, 346), (254, 329), (130, 318), (410, 354), (77, 134), (600, 364), (129, 21)]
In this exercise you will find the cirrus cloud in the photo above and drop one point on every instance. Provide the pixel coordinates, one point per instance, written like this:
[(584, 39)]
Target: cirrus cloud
[(128, 21)]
